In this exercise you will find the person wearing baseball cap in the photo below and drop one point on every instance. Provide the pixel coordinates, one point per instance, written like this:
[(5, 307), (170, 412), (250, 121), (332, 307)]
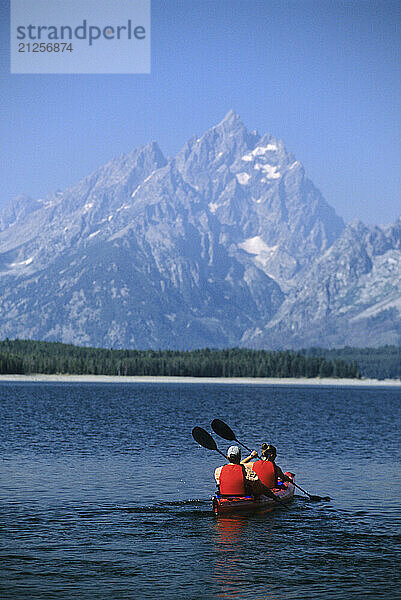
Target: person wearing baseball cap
[(231, 478)]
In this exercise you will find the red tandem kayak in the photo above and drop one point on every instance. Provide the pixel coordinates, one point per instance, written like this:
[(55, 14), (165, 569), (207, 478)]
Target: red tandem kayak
[(231, 504)]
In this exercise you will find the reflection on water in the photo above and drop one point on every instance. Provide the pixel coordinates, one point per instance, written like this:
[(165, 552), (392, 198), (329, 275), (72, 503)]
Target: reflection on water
[(234, 558), (228, 572), (105, 496)]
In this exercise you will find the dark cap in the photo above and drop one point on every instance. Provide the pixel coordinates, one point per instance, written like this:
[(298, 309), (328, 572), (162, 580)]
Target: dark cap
[(268, 449)]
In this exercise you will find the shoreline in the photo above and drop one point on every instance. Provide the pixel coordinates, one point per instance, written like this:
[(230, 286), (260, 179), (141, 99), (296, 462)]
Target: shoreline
[(315, 382)]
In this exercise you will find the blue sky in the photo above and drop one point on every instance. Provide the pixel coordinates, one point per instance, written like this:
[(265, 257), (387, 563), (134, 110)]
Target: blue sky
[(323, 75)]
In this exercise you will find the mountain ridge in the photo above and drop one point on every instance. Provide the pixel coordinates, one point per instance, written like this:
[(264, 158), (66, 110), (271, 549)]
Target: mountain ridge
[(227, 243)]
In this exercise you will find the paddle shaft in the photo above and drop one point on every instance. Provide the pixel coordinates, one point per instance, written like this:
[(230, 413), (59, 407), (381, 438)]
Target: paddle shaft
[(302, 490), (312, 496), (241, 444), (227, 433), (203, 438)]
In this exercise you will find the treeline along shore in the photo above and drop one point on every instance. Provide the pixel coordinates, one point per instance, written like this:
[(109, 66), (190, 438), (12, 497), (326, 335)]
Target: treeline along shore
[(28, 357)]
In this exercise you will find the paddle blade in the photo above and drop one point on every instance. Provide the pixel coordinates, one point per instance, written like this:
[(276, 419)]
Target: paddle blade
[(204, 438), (223, 430), (319, 498)]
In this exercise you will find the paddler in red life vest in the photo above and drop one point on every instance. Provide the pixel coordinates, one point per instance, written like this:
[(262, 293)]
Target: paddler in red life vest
[(265, 468), (232, 478)]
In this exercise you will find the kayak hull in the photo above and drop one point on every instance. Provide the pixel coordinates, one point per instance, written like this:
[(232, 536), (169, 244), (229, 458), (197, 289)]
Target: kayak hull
[(238, 504)]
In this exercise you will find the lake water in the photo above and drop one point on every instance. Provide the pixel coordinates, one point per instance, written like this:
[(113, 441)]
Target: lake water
[(105, 495)]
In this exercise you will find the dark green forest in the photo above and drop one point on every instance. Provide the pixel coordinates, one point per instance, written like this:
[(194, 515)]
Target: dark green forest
[(377, 363), (29, 357)]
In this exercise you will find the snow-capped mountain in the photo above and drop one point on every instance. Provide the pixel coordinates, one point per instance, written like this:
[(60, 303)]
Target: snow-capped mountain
[(228, 243), (351, 295)]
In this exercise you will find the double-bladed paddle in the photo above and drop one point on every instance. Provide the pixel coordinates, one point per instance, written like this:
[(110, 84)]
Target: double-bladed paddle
[(204, 439), (224, 431)]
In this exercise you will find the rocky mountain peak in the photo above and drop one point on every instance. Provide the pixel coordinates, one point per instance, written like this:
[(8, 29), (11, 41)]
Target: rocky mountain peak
[(230, 124), (17, 210), (226, 243)]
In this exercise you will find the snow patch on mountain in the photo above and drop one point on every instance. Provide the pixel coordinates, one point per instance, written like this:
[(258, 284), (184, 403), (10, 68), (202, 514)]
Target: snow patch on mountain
[(270, 171), (22, 263), (259, 151), (136, 190), (258, 247), (243, 178)]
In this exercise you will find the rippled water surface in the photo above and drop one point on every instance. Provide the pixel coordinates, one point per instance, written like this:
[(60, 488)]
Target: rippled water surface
[(104, 493)]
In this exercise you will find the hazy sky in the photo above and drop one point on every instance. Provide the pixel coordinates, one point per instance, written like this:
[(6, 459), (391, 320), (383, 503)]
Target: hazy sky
[(323, 75)]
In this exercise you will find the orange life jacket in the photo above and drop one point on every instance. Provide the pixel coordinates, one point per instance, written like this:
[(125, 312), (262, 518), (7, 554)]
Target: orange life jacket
[(232, 481), (266, 472)]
